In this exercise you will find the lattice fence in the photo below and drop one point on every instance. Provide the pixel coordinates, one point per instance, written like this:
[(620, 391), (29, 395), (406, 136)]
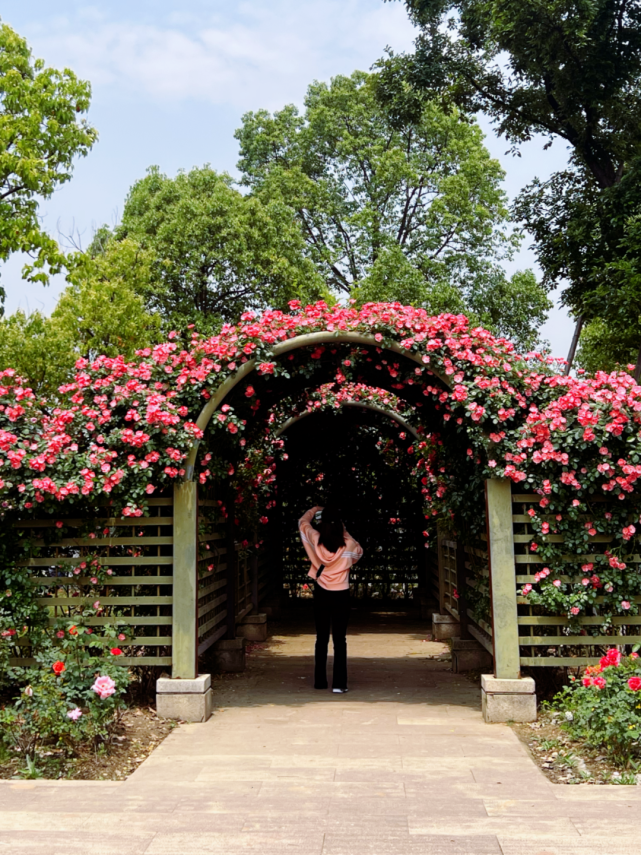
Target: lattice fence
[(549, 640), (132, 563)]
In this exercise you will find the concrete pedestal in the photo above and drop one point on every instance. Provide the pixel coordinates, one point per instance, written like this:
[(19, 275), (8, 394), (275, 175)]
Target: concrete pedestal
[(469, 655), (508, 700), (185, 700), (228, 655), (253, 628), (444, 627)]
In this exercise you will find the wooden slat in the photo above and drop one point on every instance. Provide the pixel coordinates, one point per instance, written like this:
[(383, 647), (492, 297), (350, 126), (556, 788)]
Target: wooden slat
[(216, 586), (121, 660), (52, 581), (213, 622), (484, 626), (208, 607), (104, 561), (481, 638), (523, 600), (576, 640), (559, 538), (213, 536), (212, 639), (103, 542), (586, 620), (100, 523), (576, 559), (104, 601), (558, 661)]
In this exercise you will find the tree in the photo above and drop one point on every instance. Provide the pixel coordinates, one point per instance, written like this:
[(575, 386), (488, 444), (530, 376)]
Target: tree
[(410, 211), (215, 252), (99, 313), (567, 71), (40, 135)]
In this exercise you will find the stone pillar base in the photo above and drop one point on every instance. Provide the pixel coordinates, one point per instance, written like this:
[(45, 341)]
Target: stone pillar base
[(228, 655), (469, 655), (508, 700), (253, 628), (444, 627), (185, 700)]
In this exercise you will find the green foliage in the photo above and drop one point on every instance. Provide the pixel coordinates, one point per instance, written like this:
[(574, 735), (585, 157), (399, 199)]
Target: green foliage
[(566, 71), (40, 134), (214, 251), (600, 350), (604, 708), (101, 312), (409, 211)]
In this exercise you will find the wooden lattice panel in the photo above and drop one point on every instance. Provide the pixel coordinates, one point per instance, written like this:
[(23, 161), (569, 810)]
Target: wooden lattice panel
[(137, 594), (549, 640)]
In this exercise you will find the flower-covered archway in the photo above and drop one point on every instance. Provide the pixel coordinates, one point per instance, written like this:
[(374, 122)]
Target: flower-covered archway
[(193, 409)]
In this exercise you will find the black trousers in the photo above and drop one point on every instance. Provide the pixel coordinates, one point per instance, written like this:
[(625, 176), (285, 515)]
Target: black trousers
[(331, 611)]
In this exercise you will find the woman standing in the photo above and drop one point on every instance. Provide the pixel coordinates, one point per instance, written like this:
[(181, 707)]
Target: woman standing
[(332, 552)]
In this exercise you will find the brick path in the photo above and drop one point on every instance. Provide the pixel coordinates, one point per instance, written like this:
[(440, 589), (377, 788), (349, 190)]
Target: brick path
[(402, 765)]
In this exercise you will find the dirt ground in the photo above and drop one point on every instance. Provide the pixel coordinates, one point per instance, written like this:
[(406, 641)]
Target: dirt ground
[(568, 761), (138, 733)]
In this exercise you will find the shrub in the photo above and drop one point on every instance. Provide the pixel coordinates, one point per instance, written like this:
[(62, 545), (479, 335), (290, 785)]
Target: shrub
[(604, 707), (72, 696)]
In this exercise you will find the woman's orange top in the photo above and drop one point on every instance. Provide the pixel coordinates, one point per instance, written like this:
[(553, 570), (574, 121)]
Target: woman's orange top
[(335, 576)]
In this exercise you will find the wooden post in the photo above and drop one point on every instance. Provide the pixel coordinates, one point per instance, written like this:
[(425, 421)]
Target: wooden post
[(254, 579), (461, 587), (231, 569), (500, 547), (441, 573), (184, 632)]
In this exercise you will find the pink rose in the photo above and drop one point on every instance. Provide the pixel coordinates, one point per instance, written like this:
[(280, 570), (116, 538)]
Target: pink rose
[(104, 687), (74, 714)]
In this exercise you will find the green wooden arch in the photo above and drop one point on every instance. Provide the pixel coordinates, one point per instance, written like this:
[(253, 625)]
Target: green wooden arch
[(358, 404), (283, 347)]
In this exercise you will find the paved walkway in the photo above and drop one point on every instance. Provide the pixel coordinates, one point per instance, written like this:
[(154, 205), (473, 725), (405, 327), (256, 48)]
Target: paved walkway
[(400, 766)]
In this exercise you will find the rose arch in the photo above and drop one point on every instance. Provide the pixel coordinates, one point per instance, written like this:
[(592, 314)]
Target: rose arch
[(555, 458)]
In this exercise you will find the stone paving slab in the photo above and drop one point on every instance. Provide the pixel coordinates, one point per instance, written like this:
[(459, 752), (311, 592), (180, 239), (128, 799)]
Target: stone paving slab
[(403, 765)]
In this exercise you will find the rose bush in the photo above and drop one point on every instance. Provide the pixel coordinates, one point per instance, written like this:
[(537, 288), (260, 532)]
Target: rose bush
[(57, 703), (604, 707)]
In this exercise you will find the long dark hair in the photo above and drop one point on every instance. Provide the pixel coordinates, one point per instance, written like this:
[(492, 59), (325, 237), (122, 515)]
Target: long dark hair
[(331, 529)]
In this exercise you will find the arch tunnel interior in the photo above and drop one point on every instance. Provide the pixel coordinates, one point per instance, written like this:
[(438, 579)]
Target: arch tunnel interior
[(354, 458)]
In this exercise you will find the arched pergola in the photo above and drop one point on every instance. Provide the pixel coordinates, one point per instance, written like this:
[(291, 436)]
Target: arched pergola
[(498, 501)]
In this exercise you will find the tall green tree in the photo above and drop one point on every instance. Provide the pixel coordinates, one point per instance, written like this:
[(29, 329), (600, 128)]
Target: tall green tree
[(393, 210), (567, 70), (215, 251), (41, 132), (100, 312)]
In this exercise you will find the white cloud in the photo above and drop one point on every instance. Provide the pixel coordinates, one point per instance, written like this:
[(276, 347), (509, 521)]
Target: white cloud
[(258, 55)]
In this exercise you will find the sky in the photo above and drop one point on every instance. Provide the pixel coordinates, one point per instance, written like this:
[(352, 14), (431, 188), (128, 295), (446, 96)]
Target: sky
[(171, 81)]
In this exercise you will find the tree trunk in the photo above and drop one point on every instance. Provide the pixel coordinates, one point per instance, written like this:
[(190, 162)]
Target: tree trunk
[(573, 346)]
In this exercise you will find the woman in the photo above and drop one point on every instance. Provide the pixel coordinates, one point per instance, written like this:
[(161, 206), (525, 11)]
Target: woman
[(332, 552)]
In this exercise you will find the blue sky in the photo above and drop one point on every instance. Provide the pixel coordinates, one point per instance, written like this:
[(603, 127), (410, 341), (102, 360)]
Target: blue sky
[(171, 81)]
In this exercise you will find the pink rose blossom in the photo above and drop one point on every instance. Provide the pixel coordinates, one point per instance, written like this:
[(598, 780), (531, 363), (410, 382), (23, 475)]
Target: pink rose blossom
[(74, 714), (104, 687)]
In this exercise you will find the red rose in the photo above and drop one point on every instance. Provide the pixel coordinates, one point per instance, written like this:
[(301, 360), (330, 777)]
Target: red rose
[(58, 667), (116, 651), (634, 683)]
